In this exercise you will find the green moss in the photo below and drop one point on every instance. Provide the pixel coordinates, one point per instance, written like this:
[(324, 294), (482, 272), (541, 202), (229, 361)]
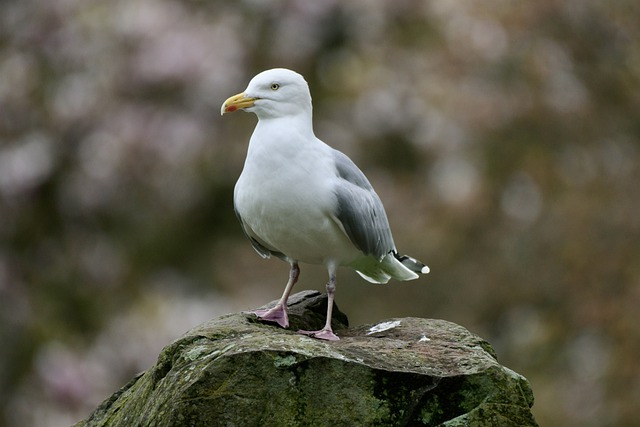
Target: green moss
[(239, 373), (280, 362)]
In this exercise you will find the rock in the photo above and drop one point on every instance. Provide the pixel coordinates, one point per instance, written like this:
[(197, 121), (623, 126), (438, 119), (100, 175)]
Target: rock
[(236, 371)]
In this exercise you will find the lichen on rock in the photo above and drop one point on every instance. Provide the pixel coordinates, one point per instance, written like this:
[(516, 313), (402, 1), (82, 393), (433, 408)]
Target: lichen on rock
[(236, 371)]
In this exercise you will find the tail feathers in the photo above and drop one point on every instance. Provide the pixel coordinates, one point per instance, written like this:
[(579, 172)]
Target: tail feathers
[(378, 277), (391, 266), (412, 263)]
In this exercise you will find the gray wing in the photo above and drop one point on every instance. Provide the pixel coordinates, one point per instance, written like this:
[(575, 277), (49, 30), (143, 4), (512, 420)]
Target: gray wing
[(360, 210)]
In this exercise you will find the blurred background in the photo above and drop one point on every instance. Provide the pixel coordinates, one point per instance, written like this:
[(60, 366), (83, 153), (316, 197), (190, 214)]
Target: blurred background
[(503, 138)]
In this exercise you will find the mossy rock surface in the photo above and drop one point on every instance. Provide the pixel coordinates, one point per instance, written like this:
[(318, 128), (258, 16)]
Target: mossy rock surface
[(235, 371)]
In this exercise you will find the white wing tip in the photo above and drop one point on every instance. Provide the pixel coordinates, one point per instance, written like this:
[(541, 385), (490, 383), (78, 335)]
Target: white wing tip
[(425, 270)]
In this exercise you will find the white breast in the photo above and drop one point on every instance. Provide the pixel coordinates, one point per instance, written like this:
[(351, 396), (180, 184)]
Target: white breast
[(285, 196)]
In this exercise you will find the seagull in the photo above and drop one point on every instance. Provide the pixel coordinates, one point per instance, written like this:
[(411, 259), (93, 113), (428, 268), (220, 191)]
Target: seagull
[(300, 200)]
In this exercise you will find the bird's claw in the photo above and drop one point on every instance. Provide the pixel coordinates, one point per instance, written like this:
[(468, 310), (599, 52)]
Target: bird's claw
[(322, 334), (276, 314)]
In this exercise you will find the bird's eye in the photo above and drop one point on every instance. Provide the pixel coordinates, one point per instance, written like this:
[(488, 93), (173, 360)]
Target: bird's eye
[(275, 86)]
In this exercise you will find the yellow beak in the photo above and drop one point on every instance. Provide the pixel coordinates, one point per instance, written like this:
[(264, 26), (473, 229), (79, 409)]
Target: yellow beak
[(236, 102)]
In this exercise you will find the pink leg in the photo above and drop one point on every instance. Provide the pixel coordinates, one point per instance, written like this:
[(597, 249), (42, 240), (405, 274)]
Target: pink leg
[(278, 314), (326, 333)]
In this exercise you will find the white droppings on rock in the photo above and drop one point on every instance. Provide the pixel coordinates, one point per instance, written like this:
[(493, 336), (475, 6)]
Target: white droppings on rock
[(383, 326)]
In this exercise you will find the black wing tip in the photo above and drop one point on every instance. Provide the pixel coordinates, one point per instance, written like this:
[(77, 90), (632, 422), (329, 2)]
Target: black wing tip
[(412, 263)]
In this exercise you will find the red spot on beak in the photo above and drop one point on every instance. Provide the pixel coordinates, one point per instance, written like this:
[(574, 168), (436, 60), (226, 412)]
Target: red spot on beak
[(231, 108)]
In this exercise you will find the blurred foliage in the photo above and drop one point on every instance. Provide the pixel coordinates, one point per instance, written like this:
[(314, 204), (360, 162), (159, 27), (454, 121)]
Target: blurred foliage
[(502, 137)]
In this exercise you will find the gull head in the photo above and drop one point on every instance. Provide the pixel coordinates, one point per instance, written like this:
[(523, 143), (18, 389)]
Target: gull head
[(271, 94)]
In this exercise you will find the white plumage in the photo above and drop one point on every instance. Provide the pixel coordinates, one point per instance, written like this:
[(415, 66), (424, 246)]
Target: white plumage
[(303, 201)]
